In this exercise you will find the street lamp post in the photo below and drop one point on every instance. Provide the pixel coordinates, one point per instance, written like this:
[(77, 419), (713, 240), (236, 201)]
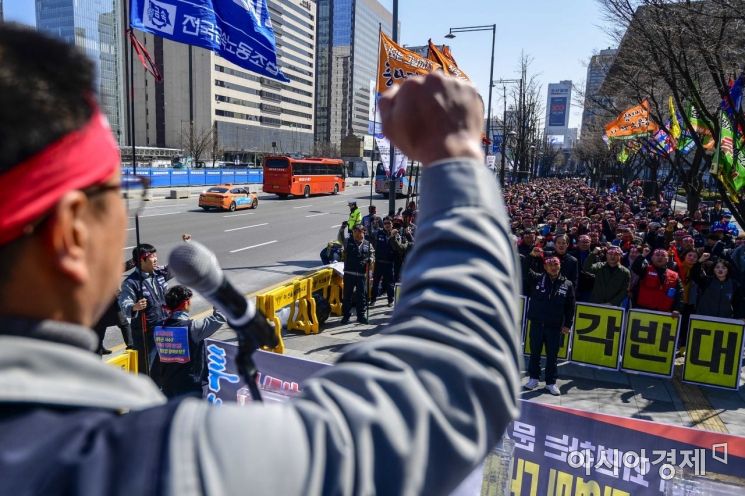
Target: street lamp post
[(504, 82), (470, 29)]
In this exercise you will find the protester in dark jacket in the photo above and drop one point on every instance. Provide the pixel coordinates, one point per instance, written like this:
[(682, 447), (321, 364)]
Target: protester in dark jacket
[(551, 314), (611, 278), (719, 294), (180, 344)]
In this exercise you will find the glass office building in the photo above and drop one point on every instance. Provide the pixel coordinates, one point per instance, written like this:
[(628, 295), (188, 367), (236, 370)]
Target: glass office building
[(346, 58), (95, 27)]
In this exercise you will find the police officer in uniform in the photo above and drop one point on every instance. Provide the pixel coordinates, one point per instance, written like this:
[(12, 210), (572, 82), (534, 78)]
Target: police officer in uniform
[(358, 255), (355, 215), (551, 314), (388, 245)]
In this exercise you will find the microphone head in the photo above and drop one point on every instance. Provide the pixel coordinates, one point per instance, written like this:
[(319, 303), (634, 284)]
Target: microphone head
[(196, 266)]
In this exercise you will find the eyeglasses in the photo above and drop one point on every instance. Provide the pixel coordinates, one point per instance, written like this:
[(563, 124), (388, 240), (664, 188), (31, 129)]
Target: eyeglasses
[(134, 191)]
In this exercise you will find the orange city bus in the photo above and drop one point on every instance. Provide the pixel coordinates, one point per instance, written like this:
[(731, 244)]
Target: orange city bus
[(285, 176)]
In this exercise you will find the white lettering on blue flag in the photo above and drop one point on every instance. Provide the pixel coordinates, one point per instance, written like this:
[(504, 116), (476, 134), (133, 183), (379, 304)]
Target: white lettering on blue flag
[(240, 31)]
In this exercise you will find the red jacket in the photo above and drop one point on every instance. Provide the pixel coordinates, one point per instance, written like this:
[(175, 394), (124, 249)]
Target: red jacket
[(654, 295)]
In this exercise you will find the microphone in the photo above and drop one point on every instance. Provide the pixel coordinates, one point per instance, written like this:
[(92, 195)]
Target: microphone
[(197, 267)]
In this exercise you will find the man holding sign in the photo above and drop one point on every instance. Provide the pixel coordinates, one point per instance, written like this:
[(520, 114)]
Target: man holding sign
[(180, 343)]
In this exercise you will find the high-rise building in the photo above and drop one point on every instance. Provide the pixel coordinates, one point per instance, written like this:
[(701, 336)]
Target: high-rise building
[(347, 57), (95, 27), (557, 107), (597, 70), (1, 10), (250, 114)]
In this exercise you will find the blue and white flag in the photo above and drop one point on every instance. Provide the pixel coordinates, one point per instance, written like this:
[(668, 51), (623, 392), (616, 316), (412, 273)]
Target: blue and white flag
[(238, 30)]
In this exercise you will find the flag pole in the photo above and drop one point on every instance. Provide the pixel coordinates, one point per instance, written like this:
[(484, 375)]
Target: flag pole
[(391, 179), (131, 95), (373, 169)]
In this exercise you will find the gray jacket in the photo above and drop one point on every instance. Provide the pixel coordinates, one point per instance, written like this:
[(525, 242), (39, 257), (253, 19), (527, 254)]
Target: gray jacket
[(412, 411)]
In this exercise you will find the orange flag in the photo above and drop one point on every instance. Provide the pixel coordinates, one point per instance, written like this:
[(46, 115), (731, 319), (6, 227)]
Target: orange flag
[(633, 123), (445, 58), (396, 63)]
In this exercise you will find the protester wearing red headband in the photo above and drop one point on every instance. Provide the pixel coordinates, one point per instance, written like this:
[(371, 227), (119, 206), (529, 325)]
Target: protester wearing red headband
[(441, 380), (551, 314)]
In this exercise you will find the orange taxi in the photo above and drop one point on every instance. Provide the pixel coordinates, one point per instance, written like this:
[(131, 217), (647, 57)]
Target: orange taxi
[(228, 197)]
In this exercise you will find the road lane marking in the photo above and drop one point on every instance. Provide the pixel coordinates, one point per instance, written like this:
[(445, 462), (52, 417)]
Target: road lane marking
[(158, 215), (131, 229), (253, 246), (316, 215), (128, 247), (238, 215), (342, 201), (148, 207), (246, 227), (303, 206), (336, 226)]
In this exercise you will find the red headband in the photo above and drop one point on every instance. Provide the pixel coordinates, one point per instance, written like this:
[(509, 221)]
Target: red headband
[(86, 157)]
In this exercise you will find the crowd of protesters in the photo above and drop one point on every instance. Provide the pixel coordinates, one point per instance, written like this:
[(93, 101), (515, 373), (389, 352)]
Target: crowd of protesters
[(625, 249)]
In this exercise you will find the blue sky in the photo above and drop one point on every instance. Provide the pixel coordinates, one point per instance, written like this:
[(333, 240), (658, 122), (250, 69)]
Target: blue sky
[(559, 36)]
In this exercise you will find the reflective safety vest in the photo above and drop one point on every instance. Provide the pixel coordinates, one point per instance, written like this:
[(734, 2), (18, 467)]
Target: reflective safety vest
[(654, 295)]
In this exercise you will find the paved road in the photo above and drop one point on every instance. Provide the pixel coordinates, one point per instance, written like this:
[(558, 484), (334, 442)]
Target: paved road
[(257, 248)]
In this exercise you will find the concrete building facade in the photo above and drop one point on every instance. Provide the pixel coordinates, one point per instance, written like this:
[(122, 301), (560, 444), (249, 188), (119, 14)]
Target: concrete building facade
[(249, 114), (597, 70)]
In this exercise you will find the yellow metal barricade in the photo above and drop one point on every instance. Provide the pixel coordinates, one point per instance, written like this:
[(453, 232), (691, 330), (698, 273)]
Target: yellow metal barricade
[(269, 303), (305, 318), (127, 361), (297, 294), (335, 293)]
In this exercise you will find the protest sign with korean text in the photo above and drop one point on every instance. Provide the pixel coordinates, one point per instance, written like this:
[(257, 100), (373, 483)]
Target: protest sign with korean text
[(714, 352), (649, 342), (596, 339), (172, 344)]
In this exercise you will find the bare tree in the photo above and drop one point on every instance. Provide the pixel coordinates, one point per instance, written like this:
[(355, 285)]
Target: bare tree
[(684, 49), (527, 124), (326, 149), (197, 142), (216, 151)]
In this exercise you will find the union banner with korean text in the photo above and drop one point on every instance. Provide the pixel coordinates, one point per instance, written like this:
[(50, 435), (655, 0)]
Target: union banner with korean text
[(632, 123), (238, 30), (555, 450), (396, 63), (650, 342), (714, 352), (596, 339)]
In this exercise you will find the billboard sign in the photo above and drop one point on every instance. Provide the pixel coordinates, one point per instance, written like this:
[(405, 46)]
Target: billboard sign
[(557, 114)]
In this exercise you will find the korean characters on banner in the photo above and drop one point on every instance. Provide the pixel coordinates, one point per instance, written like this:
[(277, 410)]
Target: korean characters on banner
[(563, 451), (396, 63), (650, 343), (714, 352), (597, 336)]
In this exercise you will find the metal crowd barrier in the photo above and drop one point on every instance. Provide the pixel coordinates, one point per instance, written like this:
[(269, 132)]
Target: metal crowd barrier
[(297, 294)]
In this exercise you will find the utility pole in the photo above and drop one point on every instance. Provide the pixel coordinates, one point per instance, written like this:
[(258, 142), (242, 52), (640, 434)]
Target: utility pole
[(391, 179)]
